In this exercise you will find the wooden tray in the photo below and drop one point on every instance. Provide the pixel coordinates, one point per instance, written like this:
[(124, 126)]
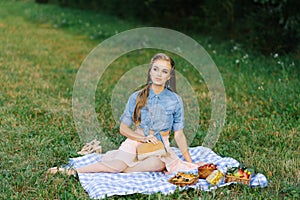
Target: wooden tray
[(183, 179)]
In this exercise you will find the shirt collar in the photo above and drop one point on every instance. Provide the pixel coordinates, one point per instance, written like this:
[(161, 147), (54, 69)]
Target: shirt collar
[(153, 95)]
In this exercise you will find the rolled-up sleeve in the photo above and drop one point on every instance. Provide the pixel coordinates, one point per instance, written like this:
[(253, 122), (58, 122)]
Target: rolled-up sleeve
[(178, 116), (126, 117)]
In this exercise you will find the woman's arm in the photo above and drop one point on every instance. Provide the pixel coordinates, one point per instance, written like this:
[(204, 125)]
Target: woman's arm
[(129, 133), (181, 142)]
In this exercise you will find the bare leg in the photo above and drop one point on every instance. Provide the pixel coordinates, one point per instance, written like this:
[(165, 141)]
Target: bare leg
[(107, 166), (151, 164)]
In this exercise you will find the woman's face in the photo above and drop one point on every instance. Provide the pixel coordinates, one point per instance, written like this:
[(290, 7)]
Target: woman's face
[(160, 72)]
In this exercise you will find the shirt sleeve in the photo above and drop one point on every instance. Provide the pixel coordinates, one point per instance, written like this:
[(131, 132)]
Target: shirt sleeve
[(126, 117), (178, 116)]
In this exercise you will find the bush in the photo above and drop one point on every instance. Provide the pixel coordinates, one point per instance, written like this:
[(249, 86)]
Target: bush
[(41, 1), (273, 26), (265, 25)]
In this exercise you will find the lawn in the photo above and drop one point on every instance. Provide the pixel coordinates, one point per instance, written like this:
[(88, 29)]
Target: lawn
[(43, 46)]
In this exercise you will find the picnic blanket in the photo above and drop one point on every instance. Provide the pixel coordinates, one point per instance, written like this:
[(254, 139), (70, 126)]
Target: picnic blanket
[(101, 185)]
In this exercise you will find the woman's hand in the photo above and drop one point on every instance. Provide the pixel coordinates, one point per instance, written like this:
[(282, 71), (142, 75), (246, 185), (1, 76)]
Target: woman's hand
[(151, 138), (126, 131)]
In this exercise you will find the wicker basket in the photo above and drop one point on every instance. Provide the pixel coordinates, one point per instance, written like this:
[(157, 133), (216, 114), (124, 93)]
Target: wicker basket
[(204, 172), (229, 178)]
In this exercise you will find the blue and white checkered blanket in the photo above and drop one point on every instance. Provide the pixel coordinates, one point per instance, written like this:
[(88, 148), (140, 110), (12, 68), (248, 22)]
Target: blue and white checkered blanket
[(100, 185)]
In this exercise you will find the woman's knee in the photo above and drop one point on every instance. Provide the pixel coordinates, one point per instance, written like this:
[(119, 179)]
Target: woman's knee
[(151, 164), (155, 164), (115, 166)]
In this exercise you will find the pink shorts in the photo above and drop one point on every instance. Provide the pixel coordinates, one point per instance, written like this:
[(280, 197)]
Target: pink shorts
[(127, 154)]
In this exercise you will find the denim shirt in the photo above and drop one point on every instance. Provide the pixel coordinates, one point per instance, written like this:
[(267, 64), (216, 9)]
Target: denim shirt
[(163, 111)]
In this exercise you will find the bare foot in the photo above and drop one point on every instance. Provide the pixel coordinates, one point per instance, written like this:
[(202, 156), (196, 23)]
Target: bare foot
[(55, 170)]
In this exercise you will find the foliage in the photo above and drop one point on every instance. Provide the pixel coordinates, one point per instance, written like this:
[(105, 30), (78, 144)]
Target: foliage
[(42, 47), (265, 25), (274, 25)]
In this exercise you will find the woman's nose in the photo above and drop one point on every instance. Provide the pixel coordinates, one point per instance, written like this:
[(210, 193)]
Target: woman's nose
[(159, 73)]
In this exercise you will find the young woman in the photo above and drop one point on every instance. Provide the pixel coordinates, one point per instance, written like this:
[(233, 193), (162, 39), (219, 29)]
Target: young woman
[(155, 111)]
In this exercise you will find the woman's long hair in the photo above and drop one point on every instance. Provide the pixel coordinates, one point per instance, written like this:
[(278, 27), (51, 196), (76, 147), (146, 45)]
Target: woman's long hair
[(142, 97)]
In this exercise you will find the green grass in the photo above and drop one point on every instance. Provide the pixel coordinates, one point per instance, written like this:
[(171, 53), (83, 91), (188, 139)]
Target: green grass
[(42, 47)]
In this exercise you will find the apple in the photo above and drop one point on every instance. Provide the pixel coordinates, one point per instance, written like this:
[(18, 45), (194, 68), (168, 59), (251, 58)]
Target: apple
[(240, 172), (245, 175), (208, 166)]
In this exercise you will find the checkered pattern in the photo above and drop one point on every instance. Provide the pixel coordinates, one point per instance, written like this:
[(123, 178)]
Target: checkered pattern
[(100, 185)]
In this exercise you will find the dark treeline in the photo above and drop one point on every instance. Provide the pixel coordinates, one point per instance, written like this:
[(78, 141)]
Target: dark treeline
[(264, 25)]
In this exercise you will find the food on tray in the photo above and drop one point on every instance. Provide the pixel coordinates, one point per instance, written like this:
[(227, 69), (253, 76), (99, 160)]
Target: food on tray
[(241, 174), (208, 166), (182, 179)]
